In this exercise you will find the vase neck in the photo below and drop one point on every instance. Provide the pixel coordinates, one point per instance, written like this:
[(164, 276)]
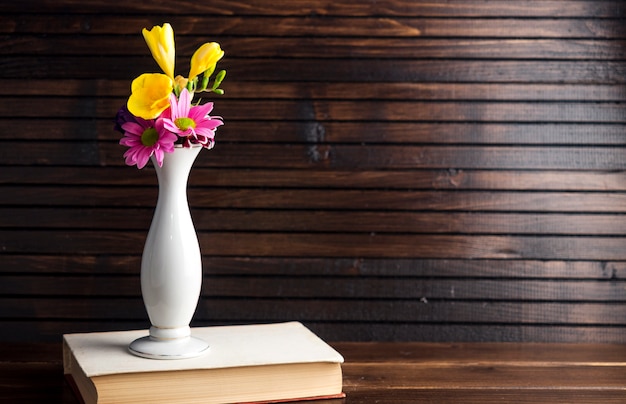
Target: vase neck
[(176, 165)]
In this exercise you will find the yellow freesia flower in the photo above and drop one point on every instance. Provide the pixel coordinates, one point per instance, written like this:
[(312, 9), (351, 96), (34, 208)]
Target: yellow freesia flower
[(160, 40), (150, 95), (205, 57)]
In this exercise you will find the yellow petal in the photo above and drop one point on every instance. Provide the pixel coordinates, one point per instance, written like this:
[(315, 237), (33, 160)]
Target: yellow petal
[(180, 81), (160, 41), (150, 95), (205, 57)]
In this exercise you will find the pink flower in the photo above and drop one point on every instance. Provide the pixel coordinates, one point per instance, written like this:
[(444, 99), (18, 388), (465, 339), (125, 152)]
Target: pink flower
[(146, 137), (193, 124)]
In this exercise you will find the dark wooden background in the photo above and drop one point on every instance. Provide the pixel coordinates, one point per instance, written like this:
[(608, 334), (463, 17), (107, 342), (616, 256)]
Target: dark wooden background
[(388, 170)]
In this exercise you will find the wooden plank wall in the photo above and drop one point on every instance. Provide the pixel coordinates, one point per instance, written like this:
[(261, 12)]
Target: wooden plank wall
[(389, 170)]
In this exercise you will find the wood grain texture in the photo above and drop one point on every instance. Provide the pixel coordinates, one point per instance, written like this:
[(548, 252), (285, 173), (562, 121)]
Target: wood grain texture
[(316, 25), (398, 373), (492, 8), (388, 170)]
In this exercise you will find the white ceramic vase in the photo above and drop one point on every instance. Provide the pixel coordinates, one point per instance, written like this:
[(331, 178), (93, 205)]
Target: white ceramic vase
[(171, 266)]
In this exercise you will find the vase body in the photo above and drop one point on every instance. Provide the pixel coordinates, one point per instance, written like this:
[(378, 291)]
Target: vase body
[(171, 265)]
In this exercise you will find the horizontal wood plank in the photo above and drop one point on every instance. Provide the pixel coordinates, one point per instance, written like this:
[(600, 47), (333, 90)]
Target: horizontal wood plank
[(128, 265), (545, 180), (348, 200), (470, 354), (422, 246), (324, 310), (51, 331), (308, 47), (306, 287), (487, 133), (316, 26), (345, 157), (503, 377), (102, 88), (323, 221), (362, 110), (330, 245), (491, 396), (494, 8), (334, 70)]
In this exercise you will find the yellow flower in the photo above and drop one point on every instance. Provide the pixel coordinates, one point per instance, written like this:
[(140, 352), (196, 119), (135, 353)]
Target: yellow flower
[(160, 40), (204, 58), (150, 95)]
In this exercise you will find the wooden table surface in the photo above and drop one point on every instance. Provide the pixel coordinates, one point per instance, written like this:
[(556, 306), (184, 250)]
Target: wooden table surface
[(398, 373)]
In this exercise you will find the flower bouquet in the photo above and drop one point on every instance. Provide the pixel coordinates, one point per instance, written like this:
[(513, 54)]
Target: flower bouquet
[(161, 122), (160, 112)]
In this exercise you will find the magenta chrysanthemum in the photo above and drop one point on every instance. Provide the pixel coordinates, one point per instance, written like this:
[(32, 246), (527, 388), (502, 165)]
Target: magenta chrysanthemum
[(145, 138), (193, 124)]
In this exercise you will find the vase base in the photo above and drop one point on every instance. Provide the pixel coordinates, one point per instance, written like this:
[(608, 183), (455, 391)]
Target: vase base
[(180, 348)]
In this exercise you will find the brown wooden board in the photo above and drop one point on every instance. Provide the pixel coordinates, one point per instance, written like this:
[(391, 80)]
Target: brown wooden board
[(393, 170)]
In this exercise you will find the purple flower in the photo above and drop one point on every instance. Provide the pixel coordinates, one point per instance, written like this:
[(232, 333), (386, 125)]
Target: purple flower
[(123, 116)]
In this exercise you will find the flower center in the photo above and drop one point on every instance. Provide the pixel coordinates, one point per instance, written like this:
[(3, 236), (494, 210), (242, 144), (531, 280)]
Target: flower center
[(185, 123), (149, 137)]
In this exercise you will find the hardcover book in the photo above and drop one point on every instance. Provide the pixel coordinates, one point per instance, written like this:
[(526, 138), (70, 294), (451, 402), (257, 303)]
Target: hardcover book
[(244, 364)]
